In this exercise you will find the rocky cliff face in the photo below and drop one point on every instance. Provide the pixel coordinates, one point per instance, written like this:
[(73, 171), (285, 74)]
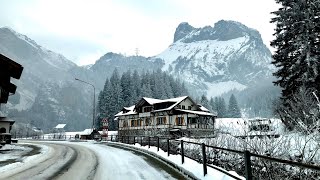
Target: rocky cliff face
[(215, 60)]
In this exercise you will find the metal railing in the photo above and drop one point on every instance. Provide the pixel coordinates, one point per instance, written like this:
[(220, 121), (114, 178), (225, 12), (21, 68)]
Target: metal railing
[(245, 163)]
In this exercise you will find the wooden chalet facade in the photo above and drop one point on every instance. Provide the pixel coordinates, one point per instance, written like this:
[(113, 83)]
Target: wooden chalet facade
[(174, 117)]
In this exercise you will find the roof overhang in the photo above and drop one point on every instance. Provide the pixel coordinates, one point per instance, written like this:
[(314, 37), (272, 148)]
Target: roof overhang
[(200, 113), (5, 119)]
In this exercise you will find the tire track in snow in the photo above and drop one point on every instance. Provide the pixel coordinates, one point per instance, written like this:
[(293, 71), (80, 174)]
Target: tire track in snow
[(44, 167)]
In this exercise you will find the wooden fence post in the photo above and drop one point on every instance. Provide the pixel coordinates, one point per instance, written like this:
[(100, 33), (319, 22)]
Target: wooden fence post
[(149, 141), (247, 163), (168, 146), (141, 141), (204, 159), (182, 152), (158, 144)]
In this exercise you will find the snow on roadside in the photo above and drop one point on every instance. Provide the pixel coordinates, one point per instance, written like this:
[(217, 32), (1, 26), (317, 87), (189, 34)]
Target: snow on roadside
[(190, 165), (27, 159)]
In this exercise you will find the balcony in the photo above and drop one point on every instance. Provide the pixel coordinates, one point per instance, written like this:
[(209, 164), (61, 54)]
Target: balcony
[(145, 114)]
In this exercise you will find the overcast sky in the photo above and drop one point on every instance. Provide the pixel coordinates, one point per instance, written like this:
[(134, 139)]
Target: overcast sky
[(84, 30)]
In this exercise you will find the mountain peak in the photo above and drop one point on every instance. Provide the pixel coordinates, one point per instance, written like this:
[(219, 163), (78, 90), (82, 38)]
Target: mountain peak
[(182, 30), (223, 30), (217, 59), (227, 30)]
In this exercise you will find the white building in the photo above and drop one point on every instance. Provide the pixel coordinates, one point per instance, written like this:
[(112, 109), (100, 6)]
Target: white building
[(169, 117), (5, 128)]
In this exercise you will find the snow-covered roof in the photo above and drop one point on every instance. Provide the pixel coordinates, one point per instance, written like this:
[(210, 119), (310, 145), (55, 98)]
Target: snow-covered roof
[(5, 119), (60, 126), (129, 109), (152, 101), (175, 101), (203, 108), (197, 112), (86, 132)]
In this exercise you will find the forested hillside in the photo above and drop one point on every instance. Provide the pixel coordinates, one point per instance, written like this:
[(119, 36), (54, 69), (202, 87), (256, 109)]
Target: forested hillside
[(127, 89)]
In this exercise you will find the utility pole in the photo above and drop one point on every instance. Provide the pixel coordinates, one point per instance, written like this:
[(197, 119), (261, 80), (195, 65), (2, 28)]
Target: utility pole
[(94, 101)]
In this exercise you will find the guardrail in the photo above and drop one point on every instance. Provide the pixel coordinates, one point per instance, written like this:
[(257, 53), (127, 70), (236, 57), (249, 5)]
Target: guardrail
[(245, 163)]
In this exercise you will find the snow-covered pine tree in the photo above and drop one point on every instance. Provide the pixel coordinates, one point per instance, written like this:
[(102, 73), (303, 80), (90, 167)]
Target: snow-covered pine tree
[(221, 107), (297, 55), (127, 88), (136, 83), (233, 108), (213, 105), (118, 92), (205, 103), (297, 46), (116, 101)]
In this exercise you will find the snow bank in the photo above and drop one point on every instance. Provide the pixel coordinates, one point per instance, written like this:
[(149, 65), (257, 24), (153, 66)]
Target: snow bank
[(19, 155), (190, 166)]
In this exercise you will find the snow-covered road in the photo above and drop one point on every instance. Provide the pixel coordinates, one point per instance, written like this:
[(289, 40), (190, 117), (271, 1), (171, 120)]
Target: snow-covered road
[(87, 160)]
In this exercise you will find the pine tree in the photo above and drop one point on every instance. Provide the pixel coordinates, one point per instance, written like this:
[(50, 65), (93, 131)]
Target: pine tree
[(116, 101), (221, 107), (205, 103), (212, 104), (297, 52), (127, 88), (297, 46), (136, 84), (233, 108)]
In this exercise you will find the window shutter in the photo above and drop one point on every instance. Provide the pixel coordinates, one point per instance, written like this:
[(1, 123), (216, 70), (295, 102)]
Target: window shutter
[(164, 120), (182, 121), (176, 120)]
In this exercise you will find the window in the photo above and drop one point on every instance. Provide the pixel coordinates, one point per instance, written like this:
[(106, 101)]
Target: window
[(3, 130), (189, 107), (132, 123), (148, 122), (192, 120), (183, 107), (179, 120), (147, 109), (125, 123), (161, 120), (138, 122)]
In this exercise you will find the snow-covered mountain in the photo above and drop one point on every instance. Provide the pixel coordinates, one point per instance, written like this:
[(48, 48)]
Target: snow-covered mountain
[(40, 65), (212, 60), (106, 64), (45, 81), (215, 60)]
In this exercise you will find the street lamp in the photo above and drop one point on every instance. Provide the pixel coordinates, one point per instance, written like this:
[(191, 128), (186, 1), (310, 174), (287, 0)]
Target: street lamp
[(94, 100)]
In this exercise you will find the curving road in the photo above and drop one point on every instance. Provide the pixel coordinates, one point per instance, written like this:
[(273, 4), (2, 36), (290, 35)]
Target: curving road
[(88, 160)]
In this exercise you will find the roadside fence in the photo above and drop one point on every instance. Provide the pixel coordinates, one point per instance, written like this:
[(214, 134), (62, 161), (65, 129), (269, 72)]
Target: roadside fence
[(245, 163)]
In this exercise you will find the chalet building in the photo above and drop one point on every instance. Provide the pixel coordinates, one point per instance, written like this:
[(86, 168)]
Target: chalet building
[(174, 117)]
